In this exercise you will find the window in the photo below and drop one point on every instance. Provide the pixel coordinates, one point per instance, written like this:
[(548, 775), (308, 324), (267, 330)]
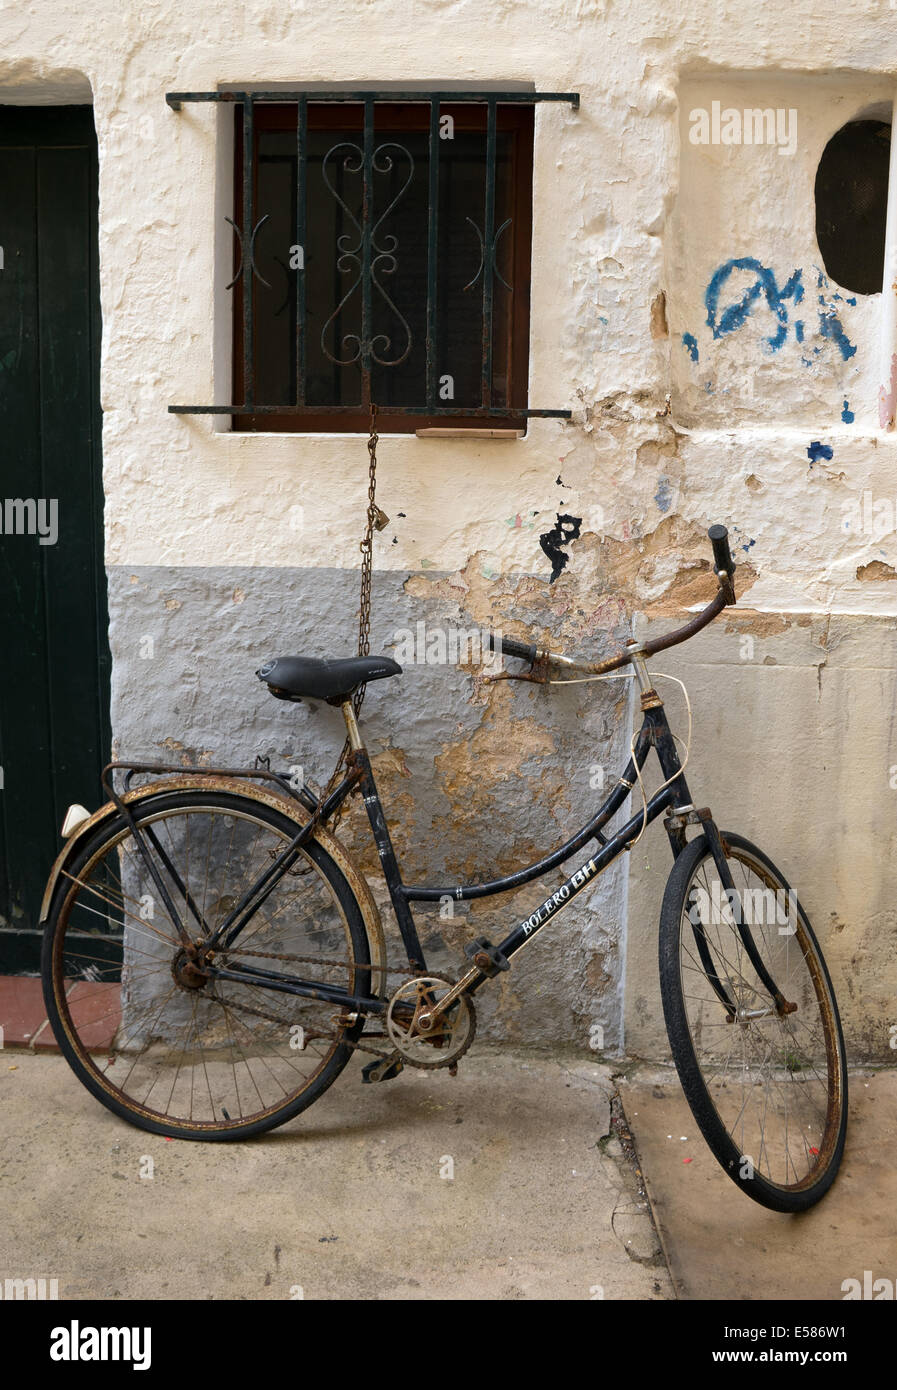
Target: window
[(333, 254), (851, 205), (382, 245)]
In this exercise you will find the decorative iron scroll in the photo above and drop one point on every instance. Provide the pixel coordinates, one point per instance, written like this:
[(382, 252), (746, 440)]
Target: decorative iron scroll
[(368, 252)]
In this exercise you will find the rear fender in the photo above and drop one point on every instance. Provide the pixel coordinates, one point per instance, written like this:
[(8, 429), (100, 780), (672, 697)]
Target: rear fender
[(275, 799)]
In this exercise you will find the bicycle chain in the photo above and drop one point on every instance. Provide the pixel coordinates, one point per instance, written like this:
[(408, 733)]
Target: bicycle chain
[(275, 1018), (318, 960), (357, 1045)]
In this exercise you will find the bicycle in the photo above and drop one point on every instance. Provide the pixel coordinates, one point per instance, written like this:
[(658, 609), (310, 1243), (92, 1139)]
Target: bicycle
[(212, 956)]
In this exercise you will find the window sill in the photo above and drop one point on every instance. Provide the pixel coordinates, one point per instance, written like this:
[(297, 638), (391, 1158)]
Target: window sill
[(447, 432)]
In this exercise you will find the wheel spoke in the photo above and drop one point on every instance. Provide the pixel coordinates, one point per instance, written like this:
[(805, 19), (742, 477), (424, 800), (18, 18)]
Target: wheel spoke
[(168, 1041)]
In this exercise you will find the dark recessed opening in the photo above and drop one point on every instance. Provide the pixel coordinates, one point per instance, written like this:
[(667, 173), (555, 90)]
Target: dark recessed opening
[(851, 205)]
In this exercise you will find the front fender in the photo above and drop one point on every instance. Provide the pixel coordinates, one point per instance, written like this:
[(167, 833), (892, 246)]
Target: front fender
[(278, 801)]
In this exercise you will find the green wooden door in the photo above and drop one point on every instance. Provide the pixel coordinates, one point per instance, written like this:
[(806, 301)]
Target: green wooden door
[(54, 652)]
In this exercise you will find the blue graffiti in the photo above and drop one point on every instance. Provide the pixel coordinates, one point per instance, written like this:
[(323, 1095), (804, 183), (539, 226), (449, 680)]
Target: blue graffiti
[(727, 318), (764, 285), (830, 327), (664, 494), (829, 323), (847, 414), (690, 344), (819, 451)]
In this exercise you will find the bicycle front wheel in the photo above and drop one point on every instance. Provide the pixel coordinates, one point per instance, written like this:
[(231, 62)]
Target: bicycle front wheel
[(153, 1028), (766, 1083)]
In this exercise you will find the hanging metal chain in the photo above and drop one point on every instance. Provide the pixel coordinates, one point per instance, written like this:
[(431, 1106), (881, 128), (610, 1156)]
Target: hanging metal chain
[(377, 520)]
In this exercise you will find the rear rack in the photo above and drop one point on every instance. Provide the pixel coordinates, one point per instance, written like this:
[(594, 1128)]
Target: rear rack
[(258, 773)]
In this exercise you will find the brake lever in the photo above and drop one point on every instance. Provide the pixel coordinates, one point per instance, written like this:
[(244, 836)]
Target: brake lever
[(507, 676), (537, 674)]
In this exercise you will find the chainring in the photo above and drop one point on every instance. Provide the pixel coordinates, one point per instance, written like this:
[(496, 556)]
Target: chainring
[(455, 1029)]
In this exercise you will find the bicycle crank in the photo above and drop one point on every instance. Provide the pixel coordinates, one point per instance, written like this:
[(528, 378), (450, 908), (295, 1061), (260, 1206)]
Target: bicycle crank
[(425, 1040)]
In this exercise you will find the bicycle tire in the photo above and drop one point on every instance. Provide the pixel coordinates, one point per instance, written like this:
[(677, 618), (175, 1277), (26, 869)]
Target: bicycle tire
[(72, 1037), (692, 1005)]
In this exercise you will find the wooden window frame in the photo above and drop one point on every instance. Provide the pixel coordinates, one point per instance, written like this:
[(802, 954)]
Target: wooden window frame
[(414, 117)]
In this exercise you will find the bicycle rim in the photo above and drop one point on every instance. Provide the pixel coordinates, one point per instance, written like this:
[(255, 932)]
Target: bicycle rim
[(768, 1088), (152, 1038)]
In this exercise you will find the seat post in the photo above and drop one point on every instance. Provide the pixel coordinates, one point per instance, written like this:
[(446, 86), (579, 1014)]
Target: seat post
[(355, 742)]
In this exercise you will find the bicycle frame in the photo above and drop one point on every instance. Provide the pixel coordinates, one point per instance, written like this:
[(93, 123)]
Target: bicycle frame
[(654, 731), (487, 959), (673, 797)]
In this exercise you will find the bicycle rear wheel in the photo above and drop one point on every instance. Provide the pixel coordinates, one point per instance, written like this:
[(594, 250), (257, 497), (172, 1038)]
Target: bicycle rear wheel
[(767, 1087), (152, 1037)]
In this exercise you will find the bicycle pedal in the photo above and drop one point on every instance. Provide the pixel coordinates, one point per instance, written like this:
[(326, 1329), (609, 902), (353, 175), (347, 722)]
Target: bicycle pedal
[(384, 1069)]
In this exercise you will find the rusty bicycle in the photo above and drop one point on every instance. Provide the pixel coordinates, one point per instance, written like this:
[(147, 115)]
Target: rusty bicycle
[(213, 956)]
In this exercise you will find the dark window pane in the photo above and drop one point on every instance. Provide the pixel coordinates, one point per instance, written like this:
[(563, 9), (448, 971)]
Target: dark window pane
[(851, 205), (399, 221), (275, 303)]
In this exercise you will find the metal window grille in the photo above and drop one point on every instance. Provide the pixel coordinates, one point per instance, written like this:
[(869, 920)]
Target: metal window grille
[(365, 253)]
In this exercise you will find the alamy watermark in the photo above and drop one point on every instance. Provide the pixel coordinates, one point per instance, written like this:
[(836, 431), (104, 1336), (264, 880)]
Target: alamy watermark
[(870, 515), (870, 1288), (441, 646), (77, 1343), (38, 1289), (31, 516), (758, 907), (754, 125)]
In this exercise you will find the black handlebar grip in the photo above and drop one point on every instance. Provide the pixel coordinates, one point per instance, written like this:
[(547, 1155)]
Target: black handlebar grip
[(508, 647), (722, 556)]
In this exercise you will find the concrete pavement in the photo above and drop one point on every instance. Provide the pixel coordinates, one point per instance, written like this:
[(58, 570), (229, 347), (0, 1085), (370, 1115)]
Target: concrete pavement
[(507, 1182), (723, 1246)]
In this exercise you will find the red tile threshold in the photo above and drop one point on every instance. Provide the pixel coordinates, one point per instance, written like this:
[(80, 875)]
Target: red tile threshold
[(22, 1012), (23, 1018)]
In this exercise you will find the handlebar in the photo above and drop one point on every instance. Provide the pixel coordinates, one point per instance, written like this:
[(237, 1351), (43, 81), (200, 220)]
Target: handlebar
[(722, 556), (507, 646), (724, 567)]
